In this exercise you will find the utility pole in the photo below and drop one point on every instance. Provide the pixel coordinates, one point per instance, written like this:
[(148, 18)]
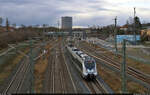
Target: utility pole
[(123, 68), (115, 31), (134, 28)]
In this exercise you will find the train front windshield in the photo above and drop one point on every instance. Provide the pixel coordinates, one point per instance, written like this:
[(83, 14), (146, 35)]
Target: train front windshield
[(89, 63)]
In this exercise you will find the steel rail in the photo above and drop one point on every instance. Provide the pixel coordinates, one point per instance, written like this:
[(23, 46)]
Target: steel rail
[(75, 89), (14, 77)]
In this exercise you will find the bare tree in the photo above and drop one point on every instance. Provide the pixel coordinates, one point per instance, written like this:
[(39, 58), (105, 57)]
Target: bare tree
[(23, 27), (127, 22), (1, 21), (131, 20), (14, 25), (7, 25)]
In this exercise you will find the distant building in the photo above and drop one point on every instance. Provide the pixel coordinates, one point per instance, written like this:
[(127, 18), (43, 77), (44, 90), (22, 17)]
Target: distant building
[(147, 32), (124, 28), (66, 23)]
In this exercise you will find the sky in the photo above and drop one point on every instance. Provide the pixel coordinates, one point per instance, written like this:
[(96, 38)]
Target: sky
[(84, 12)]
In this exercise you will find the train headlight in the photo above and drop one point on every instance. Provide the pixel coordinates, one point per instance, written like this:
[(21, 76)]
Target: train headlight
[(95, 73), (90, 71)]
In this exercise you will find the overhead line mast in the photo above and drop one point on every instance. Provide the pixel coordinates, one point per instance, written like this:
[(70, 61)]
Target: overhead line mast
[(134, 28), (115, 31)]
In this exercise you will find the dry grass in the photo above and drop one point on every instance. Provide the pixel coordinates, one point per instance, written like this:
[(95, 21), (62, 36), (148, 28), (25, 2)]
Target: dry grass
[(113, 79), (40, 69), (136, 88), (110, 78)]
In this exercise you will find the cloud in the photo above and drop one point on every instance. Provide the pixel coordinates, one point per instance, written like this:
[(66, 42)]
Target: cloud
[(84, 12)]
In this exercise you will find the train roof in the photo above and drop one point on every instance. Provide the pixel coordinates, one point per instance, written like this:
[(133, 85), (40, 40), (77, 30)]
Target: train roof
[(88, 58), (74, 48), (84, 55), (79, 52)]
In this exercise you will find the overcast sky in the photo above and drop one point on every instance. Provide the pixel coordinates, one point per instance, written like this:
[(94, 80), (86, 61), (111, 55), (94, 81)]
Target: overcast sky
[(84, 12)]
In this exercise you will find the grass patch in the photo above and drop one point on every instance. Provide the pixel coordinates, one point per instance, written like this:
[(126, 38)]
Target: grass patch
[(113, 79), (40, 69), (110, 78), (136, 88)]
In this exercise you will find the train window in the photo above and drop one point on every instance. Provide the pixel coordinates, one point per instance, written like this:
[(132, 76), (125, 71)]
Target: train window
[(80, 55), (75, 50), (70, 45), (79, 52), (89, 64)]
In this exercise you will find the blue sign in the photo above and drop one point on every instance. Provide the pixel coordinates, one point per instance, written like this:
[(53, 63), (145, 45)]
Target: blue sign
[(127, 37)]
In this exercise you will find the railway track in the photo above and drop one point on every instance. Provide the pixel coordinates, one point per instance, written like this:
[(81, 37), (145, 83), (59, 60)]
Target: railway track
[(104, 58), (49, 86), (95, 86), (66, 73), (58, 79), (17, 80), (20, 81)]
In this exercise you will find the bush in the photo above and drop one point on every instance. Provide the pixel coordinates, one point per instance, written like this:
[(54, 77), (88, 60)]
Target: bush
[(15, 37)]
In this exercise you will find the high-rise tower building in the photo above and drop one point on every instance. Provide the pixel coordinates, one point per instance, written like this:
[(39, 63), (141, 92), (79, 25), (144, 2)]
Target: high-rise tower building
[(66, 23)]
